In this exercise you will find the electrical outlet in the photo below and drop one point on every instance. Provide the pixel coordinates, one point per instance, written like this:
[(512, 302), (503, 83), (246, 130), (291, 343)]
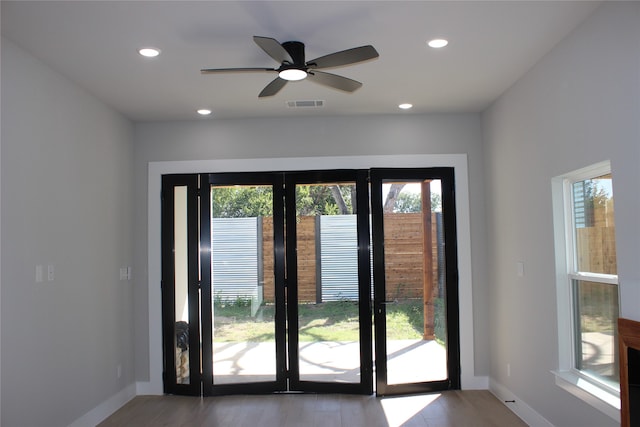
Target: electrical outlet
[(38, 274)]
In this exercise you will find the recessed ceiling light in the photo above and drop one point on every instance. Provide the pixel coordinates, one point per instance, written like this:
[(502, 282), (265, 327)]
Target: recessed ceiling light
[(438, 43), (405, 106), (204, 111), (149, 52)]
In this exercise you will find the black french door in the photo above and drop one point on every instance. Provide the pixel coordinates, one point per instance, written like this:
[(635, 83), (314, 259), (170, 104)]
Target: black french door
[(432, 349), (244, 297), (180, 285), (267, 282), (341, 278)]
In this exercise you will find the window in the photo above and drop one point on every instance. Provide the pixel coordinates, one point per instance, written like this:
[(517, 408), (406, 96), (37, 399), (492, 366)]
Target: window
[(587, 283)]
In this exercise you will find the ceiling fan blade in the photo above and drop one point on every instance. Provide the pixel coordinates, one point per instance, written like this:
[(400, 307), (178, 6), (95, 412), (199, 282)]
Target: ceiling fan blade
[(345, 57), (233, 70), (334, 81), (273, 87), (273, 48)]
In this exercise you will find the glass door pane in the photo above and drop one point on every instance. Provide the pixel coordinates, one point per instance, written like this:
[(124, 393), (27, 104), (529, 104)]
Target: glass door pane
[(325, 284), (412, 290), (327, 251), (416, 328), (242, 281), (181, 285)]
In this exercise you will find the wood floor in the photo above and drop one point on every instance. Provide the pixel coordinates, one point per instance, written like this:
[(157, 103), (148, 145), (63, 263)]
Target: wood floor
[(478, 408)]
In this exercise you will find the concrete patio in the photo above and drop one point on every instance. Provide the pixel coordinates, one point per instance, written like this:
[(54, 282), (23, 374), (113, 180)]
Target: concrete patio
[(407, 361)]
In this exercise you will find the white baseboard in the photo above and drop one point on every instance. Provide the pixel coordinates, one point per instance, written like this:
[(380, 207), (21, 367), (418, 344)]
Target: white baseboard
[(106, 408), (474, 383), (519, 407), (148, 388)]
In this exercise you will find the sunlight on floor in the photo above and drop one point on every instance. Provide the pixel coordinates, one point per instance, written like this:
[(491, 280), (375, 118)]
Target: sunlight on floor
[(399, 410)]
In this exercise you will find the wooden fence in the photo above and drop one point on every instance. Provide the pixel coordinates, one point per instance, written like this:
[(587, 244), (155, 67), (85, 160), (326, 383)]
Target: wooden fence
[(404, 257), (596, 243), (596, 253)]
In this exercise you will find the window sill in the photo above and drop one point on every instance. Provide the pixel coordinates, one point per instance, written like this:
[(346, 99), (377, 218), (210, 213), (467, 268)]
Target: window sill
[(604, 400)]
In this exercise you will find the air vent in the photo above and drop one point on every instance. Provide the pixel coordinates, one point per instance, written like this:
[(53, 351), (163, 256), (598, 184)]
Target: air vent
[(305, 104)]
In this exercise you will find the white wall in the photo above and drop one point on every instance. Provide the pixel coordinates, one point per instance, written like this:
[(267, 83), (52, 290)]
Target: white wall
[(67, 169), (578, 106), (307, 138)]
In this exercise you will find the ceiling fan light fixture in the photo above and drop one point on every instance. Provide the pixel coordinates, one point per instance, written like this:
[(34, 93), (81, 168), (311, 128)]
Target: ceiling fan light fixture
[(292, 74)]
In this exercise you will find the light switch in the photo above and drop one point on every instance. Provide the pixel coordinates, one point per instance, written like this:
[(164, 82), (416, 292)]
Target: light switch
[(50, 273), (38, 274)]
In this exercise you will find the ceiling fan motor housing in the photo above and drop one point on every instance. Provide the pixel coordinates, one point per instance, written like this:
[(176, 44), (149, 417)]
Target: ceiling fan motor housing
[(296, 51)]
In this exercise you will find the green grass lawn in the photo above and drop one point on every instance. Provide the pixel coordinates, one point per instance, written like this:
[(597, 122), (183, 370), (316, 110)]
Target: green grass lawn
[(329, 321)]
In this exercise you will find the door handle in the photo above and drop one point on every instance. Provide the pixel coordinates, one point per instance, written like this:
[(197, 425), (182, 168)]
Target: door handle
[(390, 302)]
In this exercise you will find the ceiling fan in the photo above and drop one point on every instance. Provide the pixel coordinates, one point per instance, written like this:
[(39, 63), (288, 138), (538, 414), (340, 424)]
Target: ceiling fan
[(290, 56)]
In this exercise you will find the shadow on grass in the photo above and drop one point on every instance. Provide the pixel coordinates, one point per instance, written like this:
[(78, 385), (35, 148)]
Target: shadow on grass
[(328, 321)]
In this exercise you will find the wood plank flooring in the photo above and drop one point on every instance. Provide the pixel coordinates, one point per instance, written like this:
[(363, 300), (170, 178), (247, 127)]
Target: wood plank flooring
[(469, 408)]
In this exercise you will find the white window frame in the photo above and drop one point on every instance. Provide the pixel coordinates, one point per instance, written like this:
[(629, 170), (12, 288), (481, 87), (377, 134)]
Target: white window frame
[(587, 388)]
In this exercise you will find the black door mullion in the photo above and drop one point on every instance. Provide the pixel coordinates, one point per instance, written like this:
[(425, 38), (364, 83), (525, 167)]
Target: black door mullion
[(451, 253), (205, 278), (379, 307), (193, 240), (291, 281), (280, 284), (364, 278)]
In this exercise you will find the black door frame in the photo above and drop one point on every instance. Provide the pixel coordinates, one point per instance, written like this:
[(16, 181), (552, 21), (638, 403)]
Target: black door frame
[(275, 180), (446, 176), (370, 180), (359, 177), (283, 185), (171, 385)]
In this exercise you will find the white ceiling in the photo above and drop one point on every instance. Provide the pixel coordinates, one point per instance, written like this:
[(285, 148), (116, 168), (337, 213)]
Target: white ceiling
[(94, 43)]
